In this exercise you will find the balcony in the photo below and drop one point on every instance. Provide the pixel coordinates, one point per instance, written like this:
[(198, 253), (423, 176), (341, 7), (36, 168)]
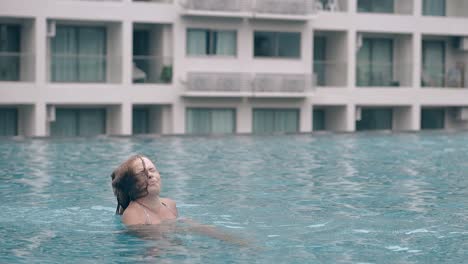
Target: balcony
[(330, 47), (82, 53), (331, 5), (452, 75), (445, 8), (300, 10), (77, 68), (17, 58), (401, 7), (443, 62), (384, 60), (16, 67), (152, 69), (330, 73), (152, 53), (216, 8), (210, 84)]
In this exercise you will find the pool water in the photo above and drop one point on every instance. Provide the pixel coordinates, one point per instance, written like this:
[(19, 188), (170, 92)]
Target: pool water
[(352, 198)]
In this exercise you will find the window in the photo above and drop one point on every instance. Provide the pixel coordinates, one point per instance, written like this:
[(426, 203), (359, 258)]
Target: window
[(433, 73), (375, 119), (210, 121), (79, 54), (376, 6), (434, 8), (277, 44), (318, 120), (140, 121), (320, 44), (275, 121), (433, 118), (79, 122), (9, 52), (211, 42), (375, 63), (8, 122)]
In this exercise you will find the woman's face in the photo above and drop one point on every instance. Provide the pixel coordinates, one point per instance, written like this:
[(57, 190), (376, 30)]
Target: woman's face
[(153, 177)]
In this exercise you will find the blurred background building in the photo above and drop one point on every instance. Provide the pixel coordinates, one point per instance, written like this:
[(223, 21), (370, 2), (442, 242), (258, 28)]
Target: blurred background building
[(123, 67)]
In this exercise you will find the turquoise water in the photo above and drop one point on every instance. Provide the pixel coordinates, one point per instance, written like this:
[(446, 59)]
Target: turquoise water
[(357, 198)]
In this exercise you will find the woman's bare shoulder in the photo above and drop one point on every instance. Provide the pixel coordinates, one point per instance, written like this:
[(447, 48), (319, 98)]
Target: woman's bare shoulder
[(133, 216), (168, 201)]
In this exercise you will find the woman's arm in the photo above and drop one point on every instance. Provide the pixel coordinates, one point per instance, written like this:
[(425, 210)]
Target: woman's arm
[(211, 231)]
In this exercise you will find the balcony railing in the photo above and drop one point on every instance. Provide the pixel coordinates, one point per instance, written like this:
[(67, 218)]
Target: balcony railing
[(284, 7), (331, 5), (330, 73), (81, 68), (218, 82), (383, 74), (16, 67), (437, 76), (282, 83), (253, 7), (152, 69), (245, 83), (216, 5)]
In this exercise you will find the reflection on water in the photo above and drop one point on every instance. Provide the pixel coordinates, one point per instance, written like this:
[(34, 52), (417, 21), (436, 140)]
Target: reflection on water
[(368, 198)]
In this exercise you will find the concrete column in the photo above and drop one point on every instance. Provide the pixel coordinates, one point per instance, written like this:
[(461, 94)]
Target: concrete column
[(306, 116), (352, 6), (42, 68), (417, 59), (40, 120), (415, 117), (126, 119), (350, 118), (244, 117), (352, 51), (417, 11), (178, 117), (127, 52)]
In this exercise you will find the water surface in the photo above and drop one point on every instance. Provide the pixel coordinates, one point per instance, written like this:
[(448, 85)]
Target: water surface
[(357, 198)]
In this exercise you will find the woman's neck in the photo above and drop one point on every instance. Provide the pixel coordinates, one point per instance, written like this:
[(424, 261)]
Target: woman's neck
[(151, 201)]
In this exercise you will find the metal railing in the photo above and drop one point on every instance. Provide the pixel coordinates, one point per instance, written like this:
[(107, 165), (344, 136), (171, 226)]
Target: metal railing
[(216, 5), (152, 69), (245, 82), (330, 73), (444, 76), (155, 1), (277, 7), (218, 82), (384, 74), (17, 67), (284, 83), (284, 7), (331, 5)]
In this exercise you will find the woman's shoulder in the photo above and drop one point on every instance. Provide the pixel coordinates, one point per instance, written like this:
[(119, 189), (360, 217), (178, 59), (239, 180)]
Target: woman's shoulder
[(133, 215), (171, 204), (168, 201)]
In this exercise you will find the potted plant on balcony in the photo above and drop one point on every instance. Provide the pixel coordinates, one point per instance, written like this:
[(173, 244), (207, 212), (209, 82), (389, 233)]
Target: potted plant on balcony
[(166, 74)]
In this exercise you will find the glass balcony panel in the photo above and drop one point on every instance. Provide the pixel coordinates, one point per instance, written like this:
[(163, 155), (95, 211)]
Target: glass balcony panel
[(330, 73), (152, 69)]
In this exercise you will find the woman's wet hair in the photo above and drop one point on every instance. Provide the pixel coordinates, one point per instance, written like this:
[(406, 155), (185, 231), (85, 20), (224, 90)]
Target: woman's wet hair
[(129, 184)]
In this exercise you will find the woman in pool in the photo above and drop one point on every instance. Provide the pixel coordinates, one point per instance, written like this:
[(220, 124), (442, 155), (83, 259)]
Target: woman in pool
[(137, 185)]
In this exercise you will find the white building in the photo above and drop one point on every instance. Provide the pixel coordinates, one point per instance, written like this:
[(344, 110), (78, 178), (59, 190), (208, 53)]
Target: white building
[(122, 67)]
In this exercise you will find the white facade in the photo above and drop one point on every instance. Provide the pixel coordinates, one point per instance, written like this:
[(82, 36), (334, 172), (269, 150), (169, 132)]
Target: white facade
[(341, 97)]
